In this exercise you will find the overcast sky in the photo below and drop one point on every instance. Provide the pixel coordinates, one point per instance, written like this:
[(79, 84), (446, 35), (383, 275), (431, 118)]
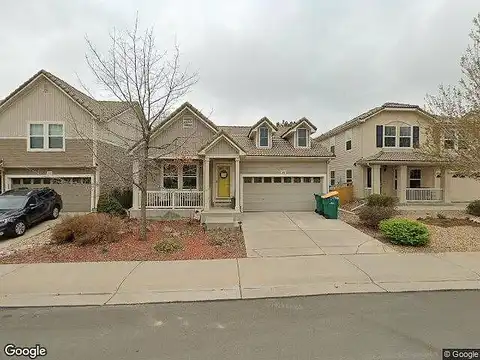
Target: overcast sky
[(323, 59)]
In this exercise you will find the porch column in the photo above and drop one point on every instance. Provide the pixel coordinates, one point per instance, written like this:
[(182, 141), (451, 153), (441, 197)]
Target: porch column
[(206, 183), (135, 190), (402, 183), (445, 182), (375, 179), (237, 184)]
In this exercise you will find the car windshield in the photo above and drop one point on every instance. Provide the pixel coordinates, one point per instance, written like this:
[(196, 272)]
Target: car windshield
[(12, 202)]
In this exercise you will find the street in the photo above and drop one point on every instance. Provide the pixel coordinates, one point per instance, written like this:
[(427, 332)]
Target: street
[(367, 326)]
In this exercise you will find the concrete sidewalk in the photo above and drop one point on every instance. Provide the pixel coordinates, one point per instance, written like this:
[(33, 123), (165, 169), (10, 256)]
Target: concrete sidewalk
[(147, 282)]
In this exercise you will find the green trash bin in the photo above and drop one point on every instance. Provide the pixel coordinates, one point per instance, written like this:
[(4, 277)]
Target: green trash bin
[(319, 204), (330, 207)]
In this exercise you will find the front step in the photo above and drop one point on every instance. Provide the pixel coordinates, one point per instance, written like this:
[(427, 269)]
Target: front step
[(214, 222), (220, 213)]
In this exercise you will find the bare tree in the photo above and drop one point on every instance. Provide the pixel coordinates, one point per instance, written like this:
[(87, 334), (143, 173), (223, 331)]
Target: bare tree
[(454, 134), (134, 70)]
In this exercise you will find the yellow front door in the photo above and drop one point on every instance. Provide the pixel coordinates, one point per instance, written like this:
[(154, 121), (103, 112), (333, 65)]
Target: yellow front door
[(223, 182)]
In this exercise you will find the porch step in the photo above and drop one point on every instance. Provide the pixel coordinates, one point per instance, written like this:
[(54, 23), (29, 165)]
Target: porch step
[(214, 222), (220, 213)]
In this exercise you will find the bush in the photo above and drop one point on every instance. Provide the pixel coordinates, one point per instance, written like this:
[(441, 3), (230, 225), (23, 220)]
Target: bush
[(381, 200), (372, 215), (124, 197), (110, 205), (474, 208), (88, 229), (405, 232), (168, 246)]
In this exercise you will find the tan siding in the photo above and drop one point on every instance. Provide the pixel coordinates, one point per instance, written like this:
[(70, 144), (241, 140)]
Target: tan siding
[(115, 167), (44, 102), (78, 153), (297, 166), (464, 190), (222, 147), (123, 130), (183, 141)]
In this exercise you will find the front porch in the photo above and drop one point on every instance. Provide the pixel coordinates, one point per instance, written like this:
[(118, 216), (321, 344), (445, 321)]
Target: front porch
[(411, 184)]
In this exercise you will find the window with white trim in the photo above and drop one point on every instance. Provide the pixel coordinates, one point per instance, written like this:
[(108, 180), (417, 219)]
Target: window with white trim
[(302, 137), (348, 140), (390, 136), (189, 176), (170, 176), (263, 136), (405, 136), (449, 139), (415, 178), (47, 136), (348, 176), (332, 177)]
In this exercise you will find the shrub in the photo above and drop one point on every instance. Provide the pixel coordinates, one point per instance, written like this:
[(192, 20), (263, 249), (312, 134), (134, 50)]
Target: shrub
[(405, 232), (474, 208), (123, 196), (168, 246), (441, 216), (372, 215), (381, 200), (110, 205), (88, 229)]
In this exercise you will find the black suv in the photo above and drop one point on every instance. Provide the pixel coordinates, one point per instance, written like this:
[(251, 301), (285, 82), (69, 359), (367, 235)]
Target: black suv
[(23, 207)]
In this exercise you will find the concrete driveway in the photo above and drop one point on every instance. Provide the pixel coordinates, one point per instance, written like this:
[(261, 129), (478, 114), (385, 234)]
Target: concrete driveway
[(279, 234)]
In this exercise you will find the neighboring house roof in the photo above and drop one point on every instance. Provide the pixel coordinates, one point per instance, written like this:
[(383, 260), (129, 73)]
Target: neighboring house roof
[(260, 122), (364, 116), (103, 110), (299, 122), (221, 134), (399, 156), (280, 146)]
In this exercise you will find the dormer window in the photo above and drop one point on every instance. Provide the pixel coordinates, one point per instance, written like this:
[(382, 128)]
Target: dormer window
[(263, 137), (302, 137)]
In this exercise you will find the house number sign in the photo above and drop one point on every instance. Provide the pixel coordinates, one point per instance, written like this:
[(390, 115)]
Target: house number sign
[(224, 174)]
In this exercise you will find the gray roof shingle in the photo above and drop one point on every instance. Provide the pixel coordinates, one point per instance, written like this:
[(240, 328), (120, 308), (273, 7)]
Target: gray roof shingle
[(400, 156)]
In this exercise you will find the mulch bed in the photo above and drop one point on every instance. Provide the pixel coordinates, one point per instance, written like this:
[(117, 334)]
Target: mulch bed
[(196, 243)]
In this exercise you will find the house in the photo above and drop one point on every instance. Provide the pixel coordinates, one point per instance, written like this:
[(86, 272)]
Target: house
[(54, 135), (196, 164), (378, 152)]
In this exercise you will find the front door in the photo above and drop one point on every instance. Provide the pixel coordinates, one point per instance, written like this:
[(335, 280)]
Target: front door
[(223, 181)]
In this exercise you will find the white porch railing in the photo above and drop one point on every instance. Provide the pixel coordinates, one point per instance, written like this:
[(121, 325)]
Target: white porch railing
[(175, 199), (424, 194), (367, 192)]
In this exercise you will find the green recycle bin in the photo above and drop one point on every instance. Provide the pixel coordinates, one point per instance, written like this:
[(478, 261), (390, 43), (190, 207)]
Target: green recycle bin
[(330, 207), (318, 204)]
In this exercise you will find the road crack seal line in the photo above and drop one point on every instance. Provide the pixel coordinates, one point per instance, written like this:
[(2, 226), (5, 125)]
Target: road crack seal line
[(239, 280), (121, 283), (368, 275)]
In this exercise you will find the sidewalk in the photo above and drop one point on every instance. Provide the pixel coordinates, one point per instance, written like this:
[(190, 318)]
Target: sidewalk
[(145, 282)]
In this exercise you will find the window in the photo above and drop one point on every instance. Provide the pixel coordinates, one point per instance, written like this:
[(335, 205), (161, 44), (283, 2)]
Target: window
[(287, 180), (332, 149), (297, 180), (307, 179), (369, 177), (317, 179), (247, 180), (302, 137), (26, 181), (263, 136), (187, 122), (348, 145), (449, 140), (405, 139), (332, 178), (46, 181), (348, 176), (267, 180), (189, 176), (257, 180), (390, 136), (395, 176), (32, 201), (16, 181), (170, 176), (415, 180), (46, 137), (277, 180), (348, 140), (37, 181)]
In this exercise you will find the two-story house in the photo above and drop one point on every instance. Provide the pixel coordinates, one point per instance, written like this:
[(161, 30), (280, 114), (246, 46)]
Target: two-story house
[(378, 152), (52, 134)]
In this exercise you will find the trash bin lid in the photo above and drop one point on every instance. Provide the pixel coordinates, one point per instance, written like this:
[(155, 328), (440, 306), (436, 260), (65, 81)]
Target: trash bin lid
[(330, 194)]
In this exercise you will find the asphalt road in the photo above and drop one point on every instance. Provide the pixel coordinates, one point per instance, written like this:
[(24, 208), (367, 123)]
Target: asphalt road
[(371, 326)]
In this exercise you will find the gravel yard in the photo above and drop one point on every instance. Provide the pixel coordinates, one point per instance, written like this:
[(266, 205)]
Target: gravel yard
[(446, 235)]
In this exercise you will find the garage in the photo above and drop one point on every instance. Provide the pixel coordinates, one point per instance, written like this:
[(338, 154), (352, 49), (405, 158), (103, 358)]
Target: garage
[(281, 193), (76, 192), (463, 189)]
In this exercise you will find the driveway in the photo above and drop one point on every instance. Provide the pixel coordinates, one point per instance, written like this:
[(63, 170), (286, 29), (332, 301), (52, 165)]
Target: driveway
[(279, 234)]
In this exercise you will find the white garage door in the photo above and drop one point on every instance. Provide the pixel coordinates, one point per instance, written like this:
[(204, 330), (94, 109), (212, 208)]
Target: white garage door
[(76, 192), (464, 189), (280, 193)]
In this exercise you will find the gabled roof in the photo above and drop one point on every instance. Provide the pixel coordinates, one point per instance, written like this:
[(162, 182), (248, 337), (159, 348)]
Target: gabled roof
[(292, 128), (368, 114), (261, 122), (221, 134), (396, 156), (103, 110)]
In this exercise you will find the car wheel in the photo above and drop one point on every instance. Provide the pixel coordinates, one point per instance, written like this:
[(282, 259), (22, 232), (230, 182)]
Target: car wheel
[(55, 212), (20, 228)]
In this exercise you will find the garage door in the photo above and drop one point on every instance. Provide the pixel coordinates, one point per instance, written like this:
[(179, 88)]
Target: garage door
[(75, 191), (280, 193), (464, 189)]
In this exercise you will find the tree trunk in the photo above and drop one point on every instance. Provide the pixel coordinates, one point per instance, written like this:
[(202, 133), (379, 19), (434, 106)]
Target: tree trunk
[(143, 198)]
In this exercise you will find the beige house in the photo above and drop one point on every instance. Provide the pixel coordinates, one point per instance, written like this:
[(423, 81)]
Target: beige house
[(198, 165), (378, 152), (51, 134)]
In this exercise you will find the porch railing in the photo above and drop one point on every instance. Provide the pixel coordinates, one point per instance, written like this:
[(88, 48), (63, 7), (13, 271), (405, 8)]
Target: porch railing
[(367, 192), (175, 199), (424, 194)]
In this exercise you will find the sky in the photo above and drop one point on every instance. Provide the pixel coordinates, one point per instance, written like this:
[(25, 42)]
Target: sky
[(326, 60)]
